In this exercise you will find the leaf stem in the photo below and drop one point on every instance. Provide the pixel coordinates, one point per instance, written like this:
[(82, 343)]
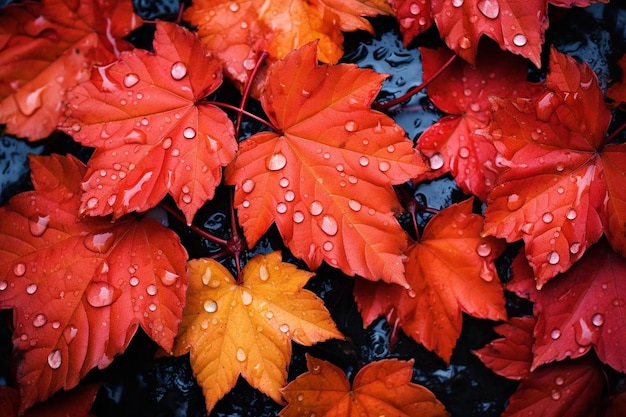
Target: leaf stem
[(616, 132), (236, 243), (247, 113), (192, 227), (415, 90), (247, 88)]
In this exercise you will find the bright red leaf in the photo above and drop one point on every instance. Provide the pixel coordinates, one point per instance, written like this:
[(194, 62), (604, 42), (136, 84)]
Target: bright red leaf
[(81, 286), (583, 308), (463, 92), (382, 388), (74, 403), (563, 185), (326, 178), (47, 48), (152, 133), (510, 356), (449, 271), (413, 16)]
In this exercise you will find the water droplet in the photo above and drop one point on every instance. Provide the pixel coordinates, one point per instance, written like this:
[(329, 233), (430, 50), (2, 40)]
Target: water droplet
[(3, 285), (131, 80), (555, 334), (276, 162), (99, 242), (284, 328), (178, 70), (19, 269), (247, 186), (457, 3), (597, 319), (363, 161), (556, 395), (464, 152), (483, 249), (39, 226), (241, 355), (354, 205), (414, 9), (281, 208), (290, 195), (233, 7), (514, 202), (316, 208), (31, 289), (298, 217), (210, 306), (553, 258), (574, 248), (384, 166), (284, 182), (133, 281), (101, 294), (328, 246), (40, 320), (465, 42), (519, 40), (55, 359), (486, 274), (351, 126), (92, 203), (152, 289), (246, 298), (436, 161), (583, 333), (547, 217), (69, 333), (329, 225), (189, 133), (559, 380), (269, 315), (571, 214), (585, 85), (168, 278), (264, 274), (489, 8)]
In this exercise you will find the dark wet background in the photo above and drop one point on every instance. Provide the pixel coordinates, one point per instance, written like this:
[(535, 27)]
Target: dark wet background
[(136, 384)]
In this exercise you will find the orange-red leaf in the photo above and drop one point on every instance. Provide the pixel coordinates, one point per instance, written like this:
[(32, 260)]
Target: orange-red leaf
[(450, 270), (379, 388), (562, 186), (581, 309), (463, 92), (326, 179), (47, 48), (246, 329), (80, 287), (151, 133)]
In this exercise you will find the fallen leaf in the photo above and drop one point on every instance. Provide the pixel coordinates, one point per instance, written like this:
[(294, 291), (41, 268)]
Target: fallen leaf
[(79, 287), (152, 133), (246, 329), (510, 356), (379, 388), (583, 308), (74, 403), (562, 186), (449, 271), (326, 177), (463, 91), (413, 16), (46, 48)]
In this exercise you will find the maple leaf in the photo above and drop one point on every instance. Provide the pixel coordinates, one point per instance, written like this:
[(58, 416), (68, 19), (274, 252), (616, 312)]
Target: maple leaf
[(232, 329), (74, 403), (325, 179), (236, 31), (379, 388), (463, 92), (563, 185), (46, 48), (152, 134), (510, 356), (413, 16), (449, 270), (80, 287), (583, 308)]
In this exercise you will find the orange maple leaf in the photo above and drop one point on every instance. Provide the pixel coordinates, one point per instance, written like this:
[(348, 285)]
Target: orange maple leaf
[(81, 286), (237, 31), (380, 388), (47, 48), (232, 329), (151, 132), (449, 270), (326, 178)]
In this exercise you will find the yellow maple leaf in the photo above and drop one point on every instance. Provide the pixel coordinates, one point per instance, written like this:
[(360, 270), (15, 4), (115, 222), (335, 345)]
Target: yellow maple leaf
[(246, 329)]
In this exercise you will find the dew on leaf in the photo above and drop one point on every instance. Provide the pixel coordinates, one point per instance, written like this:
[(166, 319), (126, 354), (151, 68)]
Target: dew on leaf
[(178, 70), (298, 217), (263, 273), (489, 8), (152, 307), (457, 3), (76, 127), (483, 249), (269, 315), (597, 319), (519, 40), (384, 166), (486, 274), (189, 133), (328, 246), (553, 258), (241, 355), (414, 9), (31, 289), (284, 182), (559, 380), (465, 42), (186, 198), (246, 297), (39, 226), (168, 278), (99, 242), (276, 162), (69, 333), (152, 289), (547, 217), (40, 320), (54, 359), (464, 152), (167, 143), (19, 269), (130, 80), (134, 281), (571, 214), (210, 306), (290, 195), (574, 248), (247, 186), (281, 208), (436, 161), (316, 208), (555, 334), (556, 395), (284, 328), (100, 294), (351, 126), (363, 161), (329, 225), (3, 285), (92, 203), (354, 205), (582, 332)]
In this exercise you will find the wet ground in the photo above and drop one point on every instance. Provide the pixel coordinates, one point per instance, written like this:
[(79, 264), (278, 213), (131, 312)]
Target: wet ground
[(136, 384)]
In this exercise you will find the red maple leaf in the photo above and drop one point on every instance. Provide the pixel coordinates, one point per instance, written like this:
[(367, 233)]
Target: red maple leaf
[(563, 184), (463, 91), (152, 133), (583, 308), (46, 48), (326, 177), (74, 403), (81, 286), (450, 270)]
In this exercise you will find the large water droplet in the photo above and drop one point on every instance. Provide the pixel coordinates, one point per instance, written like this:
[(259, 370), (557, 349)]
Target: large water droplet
[(483, 249), (55, 359), (247, 186), (264, 274), (571, 214), (101, 294), (465, 42), (514, 202), (316, 208), (329, 225), (519, 40), (152, 289), (559, 380), (298, 217), (384, 166), (556, 395), (168, 278), (246, 298), (555, 334), (178, 70), (31, 102), (414, 9), (189, 133), (210, 306), (553, 258), (19, 269), (574, 248), (436, 161), (486, 274), (31, 289), (597, 319), (3, 285), (69, 333), (284, 328), (40, 320), (276, 162), (355, 205), (351, 126), (583, 333), (281, 208), (99, 242), (241, 355), (547, 217), (489, 8), (38, 226), (363, 161), (131, 80), (457, 3)]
